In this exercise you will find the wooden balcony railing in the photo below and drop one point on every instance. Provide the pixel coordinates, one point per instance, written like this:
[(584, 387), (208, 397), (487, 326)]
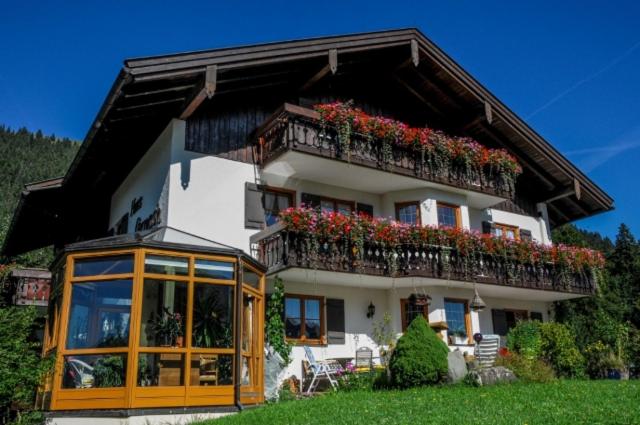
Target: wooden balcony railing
[(294, 128), (280, 249)]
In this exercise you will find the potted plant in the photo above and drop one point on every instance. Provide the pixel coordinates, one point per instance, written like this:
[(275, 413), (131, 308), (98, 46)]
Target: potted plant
[(168, 329), (457, 337)]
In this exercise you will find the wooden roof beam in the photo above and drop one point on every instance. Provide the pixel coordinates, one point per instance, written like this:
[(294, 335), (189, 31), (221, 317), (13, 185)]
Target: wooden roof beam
[(331, 66), (206, 91)]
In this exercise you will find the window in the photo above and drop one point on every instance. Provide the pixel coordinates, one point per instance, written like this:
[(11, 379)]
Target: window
[(448, 215), (276, 200), (504, 319), (334, 205), (506, 231), (410, 309), (458, 320), (304, 318), (408, 212)]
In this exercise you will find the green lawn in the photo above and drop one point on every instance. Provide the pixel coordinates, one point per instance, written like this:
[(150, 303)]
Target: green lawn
[(562, 402)]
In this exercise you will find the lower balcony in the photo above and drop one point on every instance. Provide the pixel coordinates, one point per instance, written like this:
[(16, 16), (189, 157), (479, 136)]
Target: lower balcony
[(295, 253)]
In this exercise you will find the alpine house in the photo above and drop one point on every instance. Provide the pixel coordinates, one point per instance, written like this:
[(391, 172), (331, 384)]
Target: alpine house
[(369, 172)]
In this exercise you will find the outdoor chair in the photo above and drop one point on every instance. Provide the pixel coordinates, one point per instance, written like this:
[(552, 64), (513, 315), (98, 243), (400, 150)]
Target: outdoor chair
[(321, 369), (364, 359), (486, 350)]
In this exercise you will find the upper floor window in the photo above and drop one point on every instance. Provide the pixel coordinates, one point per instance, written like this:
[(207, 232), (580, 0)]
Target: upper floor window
[(448, 215), (506, 231), (408, 212), (276, 200)]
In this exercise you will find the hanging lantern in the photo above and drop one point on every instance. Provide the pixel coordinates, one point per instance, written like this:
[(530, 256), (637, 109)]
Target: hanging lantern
[(371, 310), (477, 304)]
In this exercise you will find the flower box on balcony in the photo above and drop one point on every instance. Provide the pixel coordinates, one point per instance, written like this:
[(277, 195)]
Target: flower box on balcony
[(337, 131)]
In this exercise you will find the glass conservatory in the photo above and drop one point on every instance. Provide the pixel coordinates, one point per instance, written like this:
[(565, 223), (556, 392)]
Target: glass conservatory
[(142, 323)]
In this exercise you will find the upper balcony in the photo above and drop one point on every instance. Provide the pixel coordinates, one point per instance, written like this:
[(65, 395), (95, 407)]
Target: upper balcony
[(385, 252), (297, 142)]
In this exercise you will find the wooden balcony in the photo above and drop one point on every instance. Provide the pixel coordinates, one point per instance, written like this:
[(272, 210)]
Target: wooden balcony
[(280, 249), (296, 129)]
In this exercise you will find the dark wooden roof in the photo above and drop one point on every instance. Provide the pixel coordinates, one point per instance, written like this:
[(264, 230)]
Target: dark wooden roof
[(149, 92)]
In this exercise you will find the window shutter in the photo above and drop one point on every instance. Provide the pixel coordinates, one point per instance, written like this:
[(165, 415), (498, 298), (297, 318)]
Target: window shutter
[(364, 209), (525, 235), (310, 201), (335, 321), (253, 207), (536, 315), (487, 228), (500, 326)]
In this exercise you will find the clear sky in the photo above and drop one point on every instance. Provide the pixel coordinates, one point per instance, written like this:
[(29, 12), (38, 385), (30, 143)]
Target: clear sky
[(569, 68)]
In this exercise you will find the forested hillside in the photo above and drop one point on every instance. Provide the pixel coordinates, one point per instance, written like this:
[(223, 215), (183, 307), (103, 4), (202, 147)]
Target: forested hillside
[(26, 157)]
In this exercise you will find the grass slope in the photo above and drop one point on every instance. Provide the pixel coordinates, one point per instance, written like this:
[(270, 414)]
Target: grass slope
[(562, 402)]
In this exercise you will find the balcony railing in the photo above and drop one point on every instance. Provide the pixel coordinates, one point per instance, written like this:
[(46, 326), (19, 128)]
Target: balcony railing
[(280, 249), (294, 128)]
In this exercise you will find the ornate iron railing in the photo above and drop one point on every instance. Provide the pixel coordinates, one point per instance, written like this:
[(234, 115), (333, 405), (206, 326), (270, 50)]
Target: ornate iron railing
[(280, 249), (300, 129)]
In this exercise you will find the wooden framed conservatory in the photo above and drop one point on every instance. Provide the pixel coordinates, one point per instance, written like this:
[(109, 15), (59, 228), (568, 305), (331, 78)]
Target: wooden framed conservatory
[(155, 325)]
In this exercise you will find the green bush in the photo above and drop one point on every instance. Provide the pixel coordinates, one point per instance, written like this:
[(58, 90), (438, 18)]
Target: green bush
[(600, 359), (420, 357), (21, 366), (525, 339), (527, 369), (560, 351), (552, 342)]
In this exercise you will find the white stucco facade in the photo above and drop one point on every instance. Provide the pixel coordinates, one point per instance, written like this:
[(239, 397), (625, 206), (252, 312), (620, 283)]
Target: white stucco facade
[(205, 195)]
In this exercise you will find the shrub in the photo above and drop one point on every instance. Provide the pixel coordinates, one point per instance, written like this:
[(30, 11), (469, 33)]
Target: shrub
[(527, 369), (600, 359), (419, 358), (21, 366), (552, 342), (559, 349), (525, 339)]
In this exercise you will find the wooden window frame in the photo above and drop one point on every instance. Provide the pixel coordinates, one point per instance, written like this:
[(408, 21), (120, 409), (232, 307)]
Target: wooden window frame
[(403, 309), (303, 340), (467, 316), (280, 191), (399, 205), (505, 227), (453, 206)]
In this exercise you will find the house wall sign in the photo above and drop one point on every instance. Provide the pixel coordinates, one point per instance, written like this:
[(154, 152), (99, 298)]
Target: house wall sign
[(154, 219)]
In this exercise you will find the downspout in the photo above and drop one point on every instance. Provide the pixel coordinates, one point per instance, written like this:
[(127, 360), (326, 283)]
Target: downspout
[(238, 335)]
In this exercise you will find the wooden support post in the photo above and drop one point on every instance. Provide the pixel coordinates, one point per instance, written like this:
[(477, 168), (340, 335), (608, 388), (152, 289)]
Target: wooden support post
[(415, 53), (331, 66)]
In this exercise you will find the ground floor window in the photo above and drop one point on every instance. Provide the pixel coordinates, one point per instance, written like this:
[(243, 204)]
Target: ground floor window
[(411, 308), (506, 319), (458, 320), (304, 318)]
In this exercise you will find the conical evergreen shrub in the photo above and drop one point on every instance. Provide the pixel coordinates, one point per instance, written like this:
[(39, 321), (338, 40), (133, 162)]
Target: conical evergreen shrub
[(420, 357)]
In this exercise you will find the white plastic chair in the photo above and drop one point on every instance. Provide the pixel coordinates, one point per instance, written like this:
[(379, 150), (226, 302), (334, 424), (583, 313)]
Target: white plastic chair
[(487, 350), (321, 369)]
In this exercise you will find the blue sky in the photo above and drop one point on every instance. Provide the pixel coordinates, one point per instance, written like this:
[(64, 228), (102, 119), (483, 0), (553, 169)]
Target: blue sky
[(569, 68)]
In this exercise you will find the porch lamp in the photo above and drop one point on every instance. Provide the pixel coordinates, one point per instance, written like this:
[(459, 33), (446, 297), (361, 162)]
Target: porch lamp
[(477, 304), (371, 310)]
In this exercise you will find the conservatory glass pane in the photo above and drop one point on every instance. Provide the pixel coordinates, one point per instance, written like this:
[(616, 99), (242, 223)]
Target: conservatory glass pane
[(99, 315), (212, 316), (211, 369), (94, 371), (160, 369), (159, 264), (164, 308), (214, 269), (95, 266)]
